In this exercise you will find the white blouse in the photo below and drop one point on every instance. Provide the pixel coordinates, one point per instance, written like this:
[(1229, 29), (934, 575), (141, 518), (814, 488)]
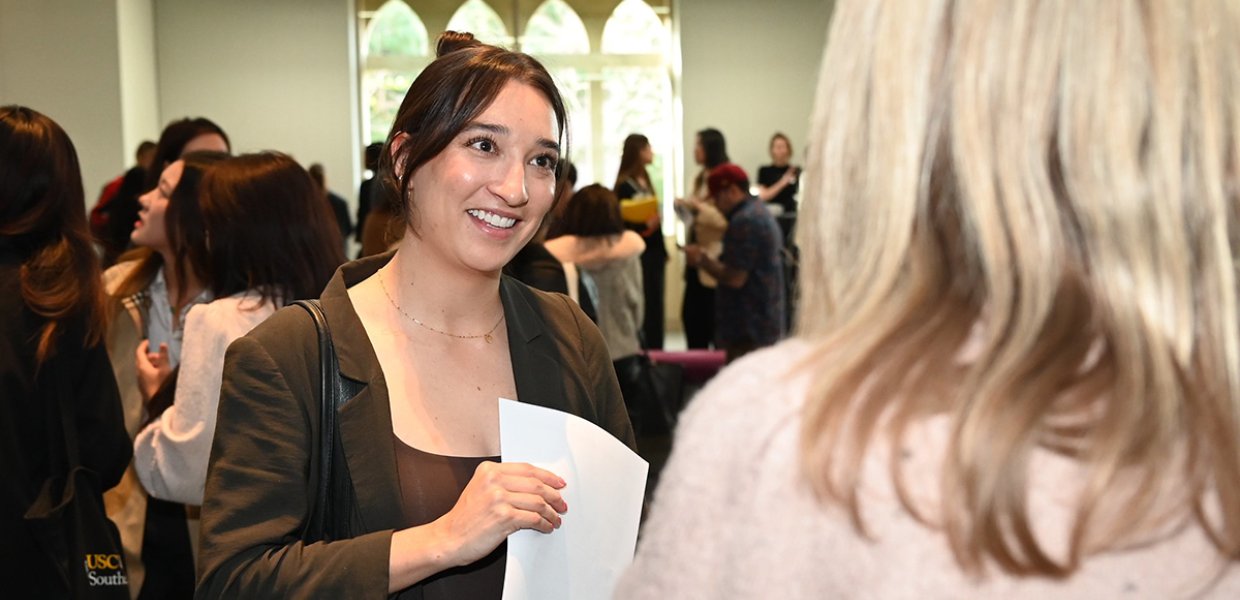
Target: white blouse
[(170, 454)]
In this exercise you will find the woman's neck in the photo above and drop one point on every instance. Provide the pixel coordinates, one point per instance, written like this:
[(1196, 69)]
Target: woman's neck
[(779, 163), (444, 296), (172, 279)]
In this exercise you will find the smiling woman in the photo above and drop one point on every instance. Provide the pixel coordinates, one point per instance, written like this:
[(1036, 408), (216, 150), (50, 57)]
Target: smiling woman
[(427, 338)]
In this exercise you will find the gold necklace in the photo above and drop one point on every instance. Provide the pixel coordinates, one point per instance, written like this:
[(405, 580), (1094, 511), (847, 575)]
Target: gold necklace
[(486, 336)]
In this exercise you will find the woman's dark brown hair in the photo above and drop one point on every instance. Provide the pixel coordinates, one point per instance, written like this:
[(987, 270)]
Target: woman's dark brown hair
[(592, 211), (446, 97), (264, 227), (173, 141), (43, 222), (714, 151), (149, 261), (631, 165)]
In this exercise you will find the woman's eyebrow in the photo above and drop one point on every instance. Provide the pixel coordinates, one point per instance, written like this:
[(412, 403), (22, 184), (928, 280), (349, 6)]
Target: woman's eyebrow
[(502, 130)]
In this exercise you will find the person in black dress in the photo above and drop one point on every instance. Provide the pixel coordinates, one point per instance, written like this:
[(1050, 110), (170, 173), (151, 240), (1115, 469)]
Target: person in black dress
[(633, 180)]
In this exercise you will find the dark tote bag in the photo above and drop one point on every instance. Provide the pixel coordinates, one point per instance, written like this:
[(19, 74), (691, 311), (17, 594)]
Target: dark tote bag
[(652, 393), (69, 520)]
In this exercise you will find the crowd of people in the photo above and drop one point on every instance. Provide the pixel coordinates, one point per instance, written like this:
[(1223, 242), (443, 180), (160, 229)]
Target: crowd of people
[(1014, 370)]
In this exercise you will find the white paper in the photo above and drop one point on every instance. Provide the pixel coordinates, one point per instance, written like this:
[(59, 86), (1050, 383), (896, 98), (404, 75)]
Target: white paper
[(605, 482)]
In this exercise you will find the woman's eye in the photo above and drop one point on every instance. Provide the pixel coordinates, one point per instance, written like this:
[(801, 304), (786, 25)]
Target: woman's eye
[(483, 144), (545, 161)]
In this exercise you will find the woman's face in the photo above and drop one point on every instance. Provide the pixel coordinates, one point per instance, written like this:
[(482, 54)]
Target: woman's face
[(780, 152), (699, 153), (647, 155), (485, 195), (150, 230)]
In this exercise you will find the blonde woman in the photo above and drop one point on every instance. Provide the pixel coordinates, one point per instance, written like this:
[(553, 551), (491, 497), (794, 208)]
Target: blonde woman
[(1017, 373)]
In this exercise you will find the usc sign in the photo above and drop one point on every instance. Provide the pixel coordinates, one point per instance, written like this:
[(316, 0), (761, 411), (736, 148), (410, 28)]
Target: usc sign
[(103, 561), (105, 569)]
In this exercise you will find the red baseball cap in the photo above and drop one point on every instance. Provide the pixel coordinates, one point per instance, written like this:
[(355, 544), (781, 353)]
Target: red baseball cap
[(724, 174)]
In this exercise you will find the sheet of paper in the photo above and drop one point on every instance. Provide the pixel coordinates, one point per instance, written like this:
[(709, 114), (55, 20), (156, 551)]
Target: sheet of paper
[(605, 482)]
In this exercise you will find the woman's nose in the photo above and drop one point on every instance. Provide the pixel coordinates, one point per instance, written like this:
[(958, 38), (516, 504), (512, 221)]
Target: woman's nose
[(510, 184)]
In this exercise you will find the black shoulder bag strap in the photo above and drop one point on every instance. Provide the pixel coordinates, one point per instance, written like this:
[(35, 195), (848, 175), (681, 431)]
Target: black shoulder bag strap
[(333, 507)]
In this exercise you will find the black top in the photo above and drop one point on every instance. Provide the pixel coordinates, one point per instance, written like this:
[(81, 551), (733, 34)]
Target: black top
[(430, 485), (536, 267), (340, 208), (654, 242), (787, 197), (29, 426), (364, 193)]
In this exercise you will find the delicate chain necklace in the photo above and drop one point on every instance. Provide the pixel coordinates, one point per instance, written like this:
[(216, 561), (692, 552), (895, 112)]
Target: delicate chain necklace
[(486, 336)]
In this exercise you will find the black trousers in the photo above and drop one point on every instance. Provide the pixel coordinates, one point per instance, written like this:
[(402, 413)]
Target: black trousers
[(698, 311), (654, 265)]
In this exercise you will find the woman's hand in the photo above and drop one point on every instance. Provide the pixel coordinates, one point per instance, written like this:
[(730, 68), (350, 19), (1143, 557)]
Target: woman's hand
[(790, 176), (153, 368), (652, 225), (500, 499)]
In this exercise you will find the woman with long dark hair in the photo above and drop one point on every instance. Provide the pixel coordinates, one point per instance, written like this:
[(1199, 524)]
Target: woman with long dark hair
[(697, 312), (427, 338), (633, 181), (265, 240), (52, 357), (178, 138), (150, 292)]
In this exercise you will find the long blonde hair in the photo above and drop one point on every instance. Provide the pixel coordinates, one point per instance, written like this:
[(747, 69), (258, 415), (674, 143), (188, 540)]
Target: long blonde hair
[(1053, 184)]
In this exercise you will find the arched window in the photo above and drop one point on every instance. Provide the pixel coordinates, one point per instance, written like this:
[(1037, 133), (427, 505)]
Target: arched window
[(396, 44), (634, 28), (555, 34), (477, 17), (611, 59), (555, 28), (637, 97), (396, 30)]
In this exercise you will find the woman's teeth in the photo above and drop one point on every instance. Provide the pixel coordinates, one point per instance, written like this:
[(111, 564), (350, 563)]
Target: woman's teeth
[(492, 219)]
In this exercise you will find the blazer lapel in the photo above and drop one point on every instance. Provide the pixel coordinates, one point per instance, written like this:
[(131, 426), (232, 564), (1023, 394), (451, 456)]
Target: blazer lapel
[(366, 419), (536, 365)]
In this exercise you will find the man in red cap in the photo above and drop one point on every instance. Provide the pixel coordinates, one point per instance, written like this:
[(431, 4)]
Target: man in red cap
[(749, 303)]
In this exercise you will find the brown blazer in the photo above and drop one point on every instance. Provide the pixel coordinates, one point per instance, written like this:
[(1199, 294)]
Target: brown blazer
[(261, 480)]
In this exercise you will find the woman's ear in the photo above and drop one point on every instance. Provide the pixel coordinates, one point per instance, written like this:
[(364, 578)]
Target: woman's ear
[(394, 152)]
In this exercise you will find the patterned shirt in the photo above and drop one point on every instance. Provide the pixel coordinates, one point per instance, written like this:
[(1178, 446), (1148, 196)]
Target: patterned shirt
[(753, 313)]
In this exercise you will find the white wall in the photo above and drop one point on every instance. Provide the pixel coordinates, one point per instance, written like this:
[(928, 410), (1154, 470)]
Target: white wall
[(139, 94), (749, 70), (60, 57), (276, 75)]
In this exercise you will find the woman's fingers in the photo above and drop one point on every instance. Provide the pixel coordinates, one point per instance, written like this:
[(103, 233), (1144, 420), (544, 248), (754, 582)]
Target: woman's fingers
[(532, 511), (535, 487)]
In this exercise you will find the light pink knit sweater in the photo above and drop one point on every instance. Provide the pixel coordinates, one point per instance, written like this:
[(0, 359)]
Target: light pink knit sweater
[(733, 519)]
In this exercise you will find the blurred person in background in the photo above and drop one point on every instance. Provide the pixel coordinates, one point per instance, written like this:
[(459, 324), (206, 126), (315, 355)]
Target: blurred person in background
[(179, 137), (52, 359), (133, 179), (265, 239), (336, 205), (697, 312), (596, 241), (367, 190), (777, 182), (150, 291), (749, 302), (633, 181)]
